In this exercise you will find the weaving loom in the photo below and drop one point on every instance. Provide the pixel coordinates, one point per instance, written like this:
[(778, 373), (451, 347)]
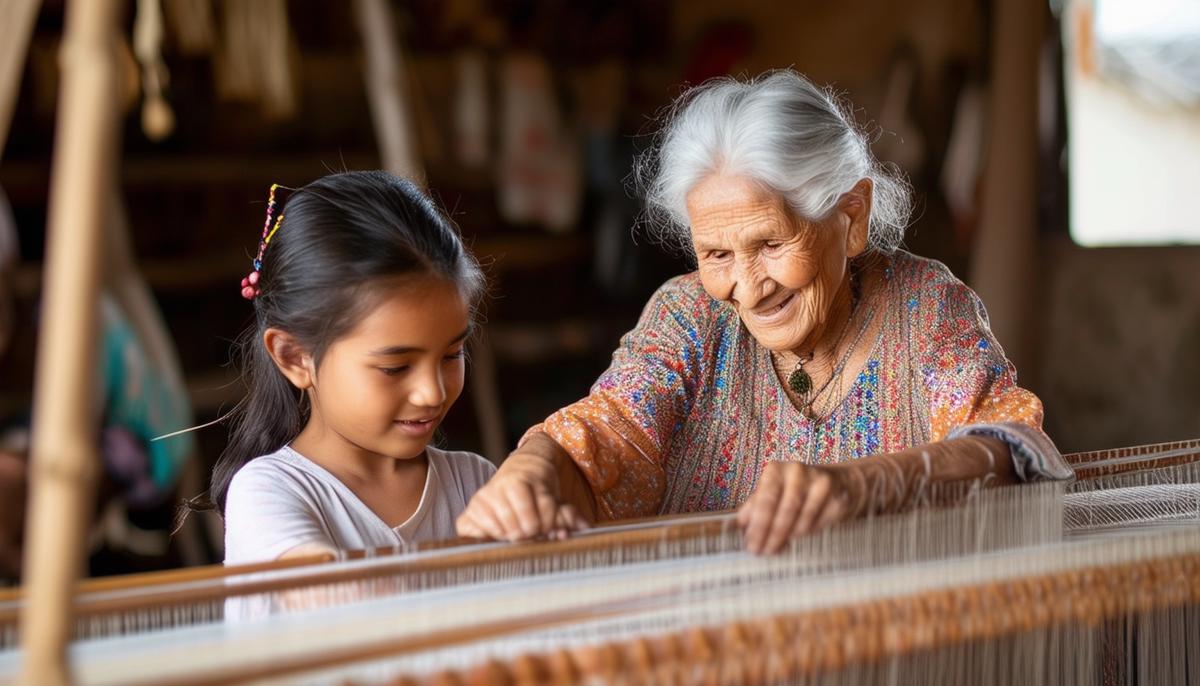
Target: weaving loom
[(1093, 581), (1097, 580)]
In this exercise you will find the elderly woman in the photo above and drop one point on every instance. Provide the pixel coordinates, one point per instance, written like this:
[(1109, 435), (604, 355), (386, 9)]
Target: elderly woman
[(808, 371)]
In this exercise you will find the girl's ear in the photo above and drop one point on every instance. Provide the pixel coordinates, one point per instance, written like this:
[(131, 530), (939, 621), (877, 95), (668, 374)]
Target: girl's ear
[(290, 357), (856, 204)]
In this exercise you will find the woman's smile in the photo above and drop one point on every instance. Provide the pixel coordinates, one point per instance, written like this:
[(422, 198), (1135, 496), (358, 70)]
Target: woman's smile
[(774, 313)]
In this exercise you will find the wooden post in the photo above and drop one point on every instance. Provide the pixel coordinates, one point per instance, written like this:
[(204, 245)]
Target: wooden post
[(387, 90), (387, 87), (64, 461), (1004, 261), (17, 28), (486, 393)]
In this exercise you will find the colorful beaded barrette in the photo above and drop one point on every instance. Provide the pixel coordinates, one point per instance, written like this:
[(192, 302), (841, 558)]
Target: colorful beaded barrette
[(250, 289)]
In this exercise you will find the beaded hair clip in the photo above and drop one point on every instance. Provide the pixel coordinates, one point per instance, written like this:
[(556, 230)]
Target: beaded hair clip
[(250, 289)]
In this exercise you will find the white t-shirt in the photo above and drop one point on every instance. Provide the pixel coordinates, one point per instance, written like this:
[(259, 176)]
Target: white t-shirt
[(283, 500)]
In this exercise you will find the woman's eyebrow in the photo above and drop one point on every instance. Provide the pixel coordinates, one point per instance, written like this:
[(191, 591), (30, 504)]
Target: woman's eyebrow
[(702, 245)]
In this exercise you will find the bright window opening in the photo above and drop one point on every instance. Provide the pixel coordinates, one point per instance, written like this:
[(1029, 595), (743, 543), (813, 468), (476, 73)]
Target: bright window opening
[(1133, 114)]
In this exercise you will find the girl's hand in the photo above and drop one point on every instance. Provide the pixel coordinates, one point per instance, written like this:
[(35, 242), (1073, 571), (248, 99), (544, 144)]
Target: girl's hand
[(523, 500), (793, 499)]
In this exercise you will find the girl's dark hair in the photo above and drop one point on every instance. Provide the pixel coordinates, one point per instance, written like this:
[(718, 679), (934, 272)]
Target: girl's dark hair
[(340, 235)]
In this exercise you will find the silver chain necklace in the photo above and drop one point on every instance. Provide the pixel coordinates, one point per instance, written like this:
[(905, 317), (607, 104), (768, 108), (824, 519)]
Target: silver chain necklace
[(809, 397), (800, 382)]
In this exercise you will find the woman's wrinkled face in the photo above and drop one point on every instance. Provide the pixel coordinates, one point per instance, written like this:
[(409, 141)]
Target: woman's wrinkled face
[(778, 271)]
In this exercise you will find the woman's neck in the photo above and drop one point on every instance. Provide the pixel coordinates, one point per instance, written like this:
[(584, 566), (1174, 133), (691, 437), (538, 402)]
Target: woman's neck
[(838, 322), (819, 352), (838, 349)]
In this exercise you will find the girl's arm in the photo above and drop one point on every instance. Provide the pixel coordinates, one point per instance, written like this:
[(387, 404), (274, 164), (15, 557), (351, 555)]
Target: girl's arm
[(310, 550), (267, 517)]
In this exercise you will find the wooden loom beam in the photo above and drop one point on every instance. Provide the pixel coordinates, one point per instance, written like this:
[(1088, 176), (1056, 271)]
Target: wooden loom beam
[(64, 460), (786, 647), (163, 588)]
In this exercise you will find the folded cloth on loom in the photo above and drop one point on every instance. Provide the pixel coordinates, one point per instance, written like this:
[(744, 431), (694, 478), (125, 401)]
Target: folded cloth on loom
[(690, 396)]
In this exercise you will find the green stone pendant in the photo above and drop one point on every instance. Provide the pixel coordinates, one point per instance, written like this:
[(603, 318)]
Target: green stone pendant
[(800, 382)]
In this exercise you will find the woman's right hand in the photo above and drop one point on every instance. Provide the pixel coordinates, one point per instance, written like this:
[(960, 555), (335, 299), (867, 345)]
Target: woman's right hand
[(524, 499)]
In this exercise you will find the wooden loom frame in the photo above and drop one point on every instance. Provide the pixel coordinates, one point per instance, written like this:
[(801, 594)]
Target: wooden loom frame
[(178, 587), (802, 644), (807, 643)]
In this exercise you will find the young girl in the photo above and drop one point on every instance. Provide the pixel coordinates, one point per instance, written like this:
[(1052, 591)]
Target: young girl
[(363, 295)]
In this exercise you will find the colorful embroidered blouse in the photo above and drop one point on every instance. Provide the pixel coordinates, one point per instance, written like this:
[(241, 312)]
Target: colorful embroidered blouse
[(691, 407)]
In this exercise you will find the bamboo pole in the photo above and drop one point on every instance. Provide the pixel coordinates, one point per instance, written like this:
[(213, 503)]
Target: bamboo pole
[(18, 21), (64, 457)]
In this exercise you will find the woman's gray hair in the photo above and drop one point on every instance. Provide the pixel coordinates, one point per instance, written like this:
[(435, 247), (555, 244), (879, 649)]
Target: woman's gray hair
[(779, 130)]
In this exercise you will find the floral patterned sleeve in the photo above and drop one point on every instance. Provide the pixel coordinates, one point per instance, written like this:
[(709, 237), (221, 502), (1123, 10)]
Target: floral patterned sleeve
[(619, 433), (973, 387)]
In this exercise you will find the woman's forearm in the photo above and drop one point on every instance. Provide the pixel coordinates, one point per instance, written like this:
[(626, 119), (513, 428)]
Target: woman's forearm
[(889, 482), (573, 488)]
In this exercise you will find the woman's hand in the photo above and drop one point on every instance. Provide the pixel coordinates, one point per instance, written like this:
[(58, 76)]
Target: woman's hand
[(793, 499), (525, 499)]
